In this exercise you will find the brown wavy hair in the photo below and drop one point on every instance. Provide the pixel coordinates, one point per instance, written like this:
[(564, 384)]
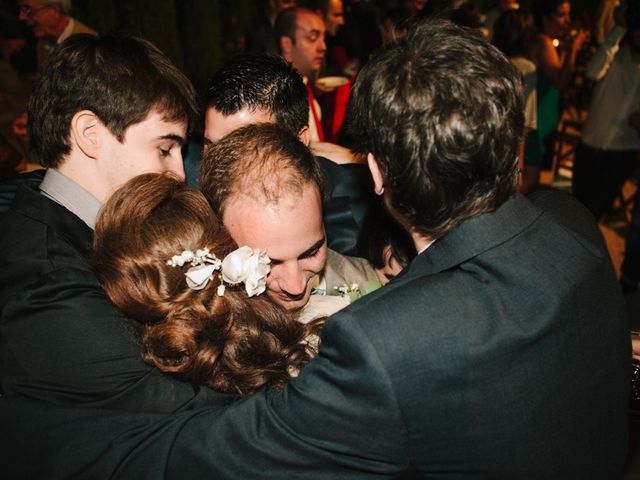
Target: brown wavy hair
[(230, 343)]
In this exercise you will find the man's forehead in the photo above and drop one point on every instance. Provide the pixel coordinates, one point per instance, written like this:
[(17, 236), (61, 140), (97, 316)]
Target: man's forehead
[(156, 125), (31, 3), (292, 223), (335, 6), (217, 124), (309, 22), (250, 197)]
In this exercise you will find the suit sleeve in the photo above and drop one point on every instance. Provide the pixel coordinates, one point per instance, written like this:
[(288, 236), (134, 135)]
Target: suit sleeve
[(64, 343), (339, 419)]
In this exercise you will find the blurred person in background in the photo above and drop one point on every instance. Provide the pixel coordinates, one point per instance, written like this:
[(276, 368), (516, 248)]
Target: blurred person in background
[(491, 16), (606, 155), (605, 20), (555, 56), (51, 23), (260, 36), (300, 39), (513, 34)]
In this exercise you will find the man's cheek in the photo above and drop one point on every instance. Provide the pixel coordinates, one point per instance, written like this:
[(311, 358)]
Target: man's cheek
[(319, 265)]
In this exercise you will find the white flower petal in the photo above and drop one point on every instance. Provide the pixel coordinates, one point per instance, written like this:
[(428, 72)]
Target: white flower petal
[(198, 277), (234, 265)]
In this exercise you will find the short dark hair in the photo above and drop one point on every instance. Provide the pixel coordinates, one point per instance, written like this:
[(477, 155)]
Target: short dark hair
[(543, 8), (513, 32), (379, 231), (262, 160), (319, 6), (442, 113), (285, 25), (120, 79), (260, 82)]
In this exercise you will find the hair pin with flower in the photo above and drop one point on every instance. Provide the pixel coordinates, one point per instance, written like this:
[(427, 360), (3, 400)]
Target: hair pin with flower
[(243, 265)]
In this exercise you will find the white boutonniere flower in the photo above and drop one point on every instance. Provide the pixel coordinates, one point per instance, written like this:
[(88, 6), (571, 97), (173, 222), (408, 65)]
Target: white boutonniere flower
[(353, 291)]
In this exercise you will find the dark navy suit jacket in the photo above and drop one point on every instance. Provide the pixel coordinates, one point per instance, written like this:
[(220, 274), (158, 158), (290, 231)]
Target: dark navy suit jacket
[(502, 352), (61, 340)]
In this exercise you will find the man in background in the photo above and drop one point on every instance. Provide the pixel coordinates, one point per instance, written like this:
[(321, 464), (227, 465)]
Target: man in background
[(606, 155), (51, 24), (300, 39), (50, 20), (332, 13)]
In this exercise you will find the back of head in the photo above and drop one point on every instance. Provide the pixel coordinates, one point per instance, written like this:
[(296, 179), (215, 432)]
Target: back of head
[(514, 31), (544, 8), (321, 6), (441, 111), (394, 24), (232, 343), (467, 15), (400, 18), (120, 79), (262, 161), (285, 25), (260, 82)]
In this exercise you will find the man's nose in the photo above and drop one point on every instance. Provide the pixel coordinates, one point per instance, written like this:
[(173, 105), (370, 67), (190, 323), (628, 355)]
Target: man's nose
[(322, 46), (293, 280), (177, 167)]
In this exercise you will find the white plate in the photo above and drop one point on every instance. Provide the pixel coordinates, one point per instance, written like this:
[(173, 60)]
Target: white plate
[(332, 82)]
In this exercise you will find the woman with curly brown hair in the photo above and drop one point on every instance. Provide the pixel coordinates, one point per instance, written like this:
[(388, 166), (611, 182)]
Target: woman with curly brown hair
[(169, 265)]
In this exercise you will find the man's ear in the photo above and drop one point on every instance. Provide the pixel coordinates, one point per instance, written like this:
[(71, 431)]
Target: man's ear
[(286, 46), (376, 174), (303, 135), (85, 134)]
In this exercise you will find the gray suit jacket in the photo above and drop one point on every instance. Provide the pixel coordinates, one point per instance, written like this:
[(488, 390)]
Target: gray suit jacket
[(342, 269), (502, 352)]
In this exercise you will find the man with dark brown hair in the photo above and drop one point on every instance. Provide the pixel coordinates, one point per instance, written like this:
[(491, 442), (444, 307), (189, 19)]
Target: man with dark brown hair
[(103, 110), (299, 35)]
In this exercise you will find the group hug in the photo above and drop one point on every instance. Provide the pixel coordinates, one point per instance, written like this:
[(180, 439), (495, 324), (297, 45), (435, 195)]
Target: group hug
[(150, 329)]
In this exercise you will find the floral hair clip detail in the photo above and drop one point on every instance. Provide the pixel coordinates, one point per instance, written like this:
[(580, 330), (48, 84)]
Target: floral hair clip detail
[(243, 265)]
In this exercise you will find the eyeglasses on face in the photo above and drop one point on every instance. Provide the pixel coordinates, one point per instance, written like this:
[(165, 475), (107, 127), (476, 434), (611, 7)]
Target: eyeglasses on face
[(29, 11)]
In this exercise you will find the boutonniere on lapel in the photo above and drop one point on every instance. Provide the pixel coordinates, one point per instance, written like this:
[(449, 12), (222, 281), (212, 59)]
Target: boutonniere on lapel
[(353, 291)]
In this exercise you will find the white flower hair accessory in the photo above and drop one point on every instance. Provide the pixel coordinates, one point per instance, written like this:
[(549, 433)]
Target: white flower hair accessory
[(243, 265)]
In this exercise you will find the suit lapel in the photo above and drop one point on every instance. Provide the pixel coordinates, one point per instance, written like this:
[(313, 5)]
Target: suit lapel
[(476, 236)]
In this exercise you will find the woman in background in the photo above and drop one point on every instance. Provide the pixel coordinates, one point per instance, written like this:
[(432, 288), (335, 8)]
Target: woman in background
[(554, 52), (513, 34)]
